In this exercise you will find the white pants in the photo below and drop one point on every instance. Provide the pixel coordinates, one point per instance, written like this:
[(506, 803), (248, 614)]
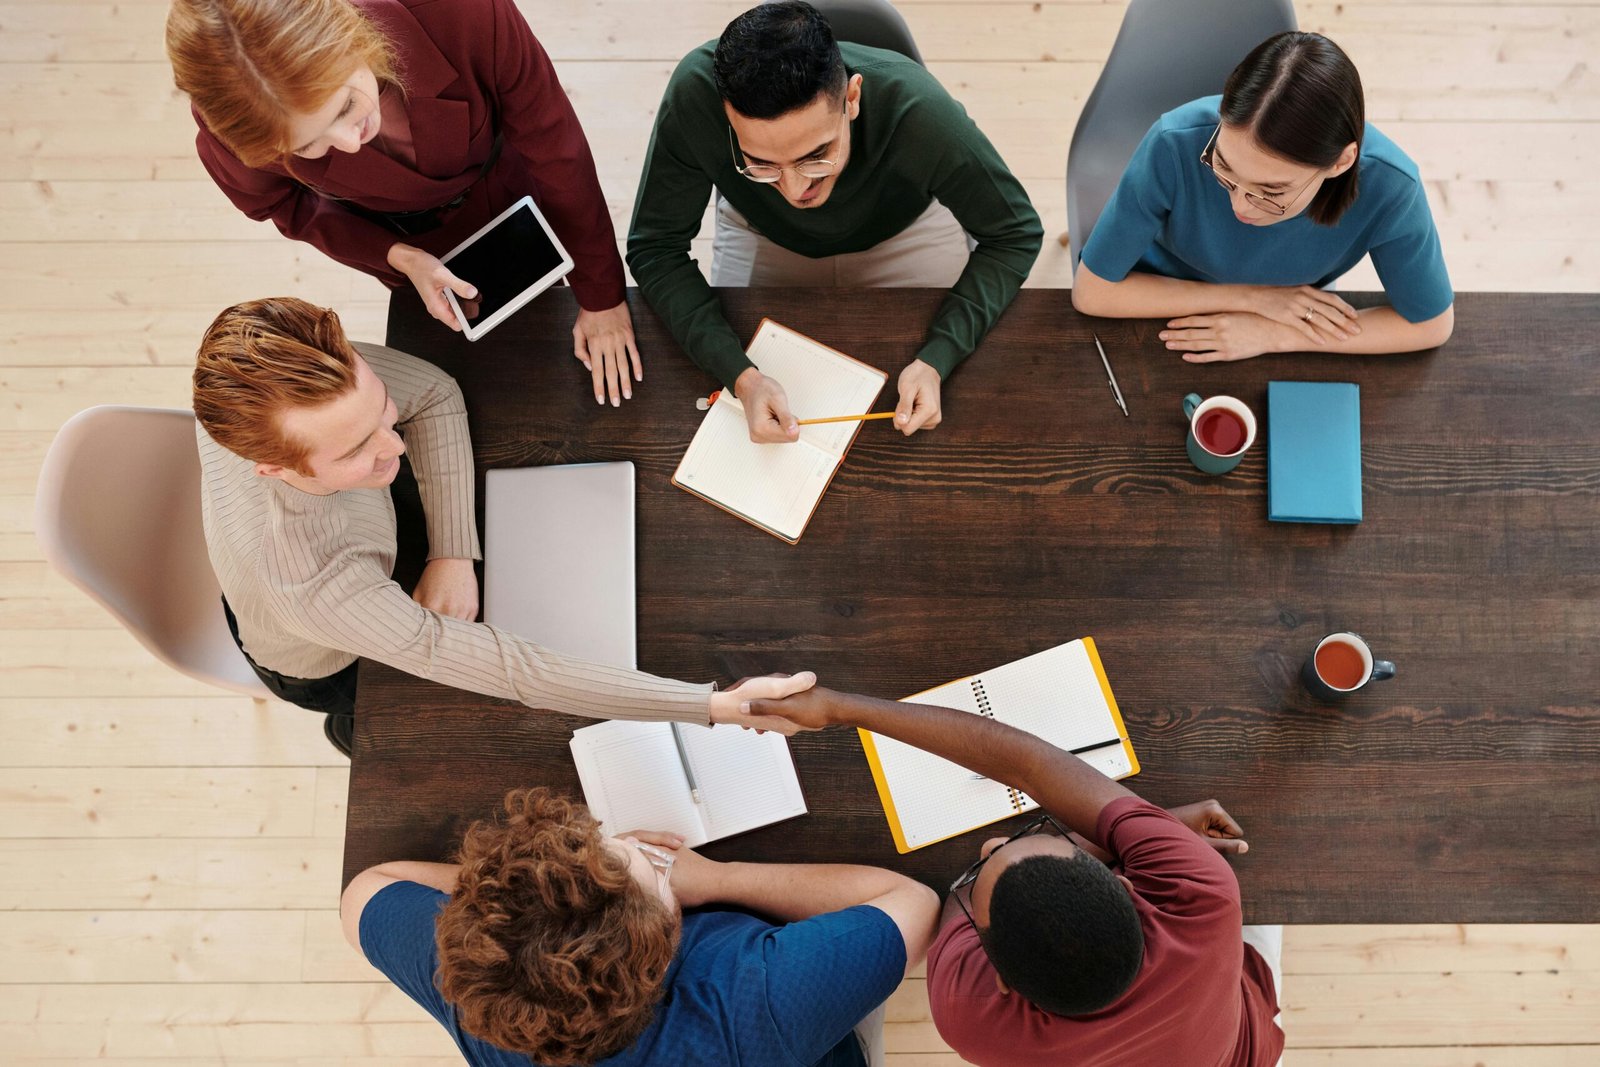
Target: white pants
[(869, 1032), (931, 252), (1268, 940)]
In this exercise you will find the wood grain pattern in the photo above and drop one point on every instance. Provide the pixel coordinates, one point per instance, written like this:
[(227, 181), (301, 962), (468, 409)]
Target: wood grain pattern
[(1018, 525)]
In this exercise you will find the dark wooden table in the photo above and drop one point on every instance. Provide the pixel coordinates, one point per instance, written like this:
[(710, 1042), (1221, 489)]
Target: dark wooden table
[(1464, 790)]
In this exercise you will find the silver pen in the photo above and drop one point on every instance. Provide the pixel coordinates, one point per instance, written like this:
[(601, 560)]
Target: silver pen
[(683, 758), (1110, 377)]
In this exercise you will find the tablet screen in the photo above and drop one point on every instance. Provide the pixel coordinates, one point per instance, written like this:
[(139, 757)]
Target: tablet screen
[(504, 262)]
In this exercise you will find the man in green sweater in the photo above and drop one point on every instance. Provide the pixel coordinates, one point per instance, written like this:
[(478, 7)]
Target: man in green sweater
[(834, 165)]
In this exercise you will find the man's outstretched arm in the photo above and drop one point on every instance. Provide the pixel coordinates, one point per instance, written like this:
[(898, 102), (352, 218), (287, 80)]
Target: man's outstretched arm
[(1063, 784)]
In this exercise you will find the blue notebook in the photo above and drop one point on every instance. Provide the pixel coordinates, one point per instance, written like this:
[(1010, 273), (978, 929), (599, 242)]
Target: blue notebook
[(1313, 452)]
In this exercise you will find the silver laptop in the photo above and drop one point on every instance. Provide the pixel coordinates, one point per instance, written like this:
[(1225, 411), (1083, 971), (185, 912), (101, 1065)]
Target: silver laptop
[(558, 558)]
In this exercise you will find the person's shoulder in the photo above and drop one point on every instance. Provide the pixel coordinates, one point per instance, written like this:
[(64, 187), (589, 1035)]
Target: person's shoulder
[(1188, 123), (1385, 166), (898, 81), (1128, 825), (396, 367), (886, 62), (694, 76)]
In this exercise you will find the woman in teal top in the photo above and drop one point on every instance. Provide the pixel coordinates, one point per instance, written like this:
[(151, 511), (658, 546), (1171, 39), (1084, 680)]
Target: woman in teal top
[(1237, 210)]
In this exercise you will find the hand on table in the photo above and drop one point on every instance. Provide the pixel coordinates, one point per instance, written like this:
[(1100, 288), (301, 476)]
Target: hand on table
[(694, 878), (1316, 313), (1229, 335), (766, 408), (1210, 821), (431, 279), (727, 706), (919, 399), (449, 587), (603, 342)]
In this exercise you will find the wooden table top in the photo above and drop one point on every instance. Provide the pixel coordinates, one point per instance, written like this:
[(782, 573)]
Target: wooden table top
[(1465, 789)]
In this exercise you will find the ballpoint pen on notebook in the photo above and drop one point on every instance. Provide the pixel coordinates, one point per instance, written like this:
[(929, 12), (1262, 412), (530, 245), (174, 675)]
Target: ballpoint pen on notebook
[(683, 758), (1112, 378)]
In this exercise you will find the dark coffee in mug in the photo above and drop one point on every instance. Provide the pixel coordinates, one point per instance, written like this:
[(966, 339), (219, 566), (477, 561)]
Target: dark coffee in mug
[(1341, 665), (1220, 431)]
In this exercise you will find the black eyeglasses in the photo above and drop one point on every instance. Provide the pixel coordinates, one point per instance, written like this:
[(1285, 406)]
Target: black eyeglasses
[(1040, 825), (1256, 200)]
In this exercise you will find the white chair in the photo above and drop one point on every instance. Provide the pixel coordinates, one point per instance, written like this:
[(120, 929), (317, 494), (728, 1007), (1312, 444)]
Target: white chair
[(1167, 53), (118, 515)]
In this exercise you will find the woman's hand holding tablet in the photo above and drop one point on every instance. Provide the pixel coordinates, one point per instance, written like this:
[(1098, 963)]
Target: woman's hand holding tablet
[(432, 278)]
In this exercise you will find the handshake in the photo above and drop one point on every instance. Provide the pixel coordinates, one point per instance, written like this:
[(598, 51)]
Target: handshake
[(784, 703)]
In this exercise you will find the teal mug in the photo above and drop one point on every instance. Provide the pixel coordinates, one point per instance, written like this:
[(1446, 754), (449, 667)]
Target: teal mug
[(1221, 431)]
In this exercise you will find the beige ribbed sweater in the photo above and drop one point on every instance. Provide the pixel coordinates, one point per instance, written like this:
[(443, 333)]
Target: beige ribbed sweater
[(308, 576)]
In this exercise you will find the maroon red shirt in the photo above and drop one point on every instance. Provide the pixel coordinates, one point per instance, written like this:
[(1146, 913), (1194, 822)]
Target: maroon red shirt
[(1202, 999), (471, 68)]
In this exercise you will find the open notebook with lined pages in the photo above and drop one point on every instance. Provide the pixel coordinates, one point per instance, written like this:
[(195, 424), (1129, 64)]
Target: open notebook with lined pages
[(633, 780), (1060, 695), (777, 487)]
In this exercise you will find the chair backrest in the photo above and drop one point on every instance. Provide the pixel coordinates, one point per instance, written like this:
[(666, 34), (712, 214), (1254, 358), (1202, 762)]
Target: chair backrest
[(117, 512), (874, 23), (1167, 53)]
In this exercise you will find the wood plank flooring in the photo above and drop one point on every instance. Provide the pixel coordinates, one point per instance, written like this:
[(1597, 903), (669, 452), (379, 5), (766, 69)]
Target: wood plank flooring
[(169, 854)]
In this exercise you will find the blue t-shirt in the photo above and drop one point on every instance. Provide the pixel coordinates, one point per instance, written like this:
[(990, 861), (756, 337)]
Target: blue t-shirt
[(1169, 216), (739, 991)]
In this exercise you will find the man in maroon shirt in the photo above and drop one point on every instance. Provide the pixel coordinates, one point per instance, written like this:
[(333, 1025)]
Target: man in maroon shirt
[(1106, 931)]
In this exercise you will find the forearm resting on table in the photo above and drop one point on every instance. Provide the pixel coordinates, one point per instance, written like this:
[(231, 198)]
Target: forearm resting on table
[(792, 892), (1152, 296), (1384, 330)]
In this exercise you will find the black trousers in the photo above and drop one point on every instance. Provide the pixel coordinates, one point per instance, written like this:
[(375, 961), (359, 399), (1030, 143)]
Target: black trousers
[(333, 695)]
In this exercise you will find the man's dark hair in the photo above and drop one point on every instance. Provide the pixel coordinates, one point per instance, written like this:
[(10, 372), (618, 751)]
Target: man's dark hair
[(1300, 97), (776, 58), (1063, 933)]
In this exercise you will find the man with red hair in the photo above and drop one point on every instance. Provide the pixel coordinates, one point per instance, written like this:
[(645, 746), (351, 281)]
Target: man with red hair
[(300, 434)]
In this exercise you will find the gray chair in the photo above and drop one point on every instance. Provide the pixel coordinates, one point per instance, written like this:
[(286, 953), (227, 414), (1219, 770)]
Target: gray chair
[(1167, 53), (117, 513), (874, 23)]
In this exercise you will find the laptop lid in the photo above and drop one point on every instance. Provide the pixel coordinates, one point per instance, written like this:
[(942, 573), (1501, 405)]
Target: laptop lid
[(558, 558)]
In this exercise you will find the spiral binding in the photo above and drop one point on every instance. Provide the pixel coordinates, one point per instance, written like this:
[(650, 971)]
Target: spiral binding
[(1019, 801), (983, 698)]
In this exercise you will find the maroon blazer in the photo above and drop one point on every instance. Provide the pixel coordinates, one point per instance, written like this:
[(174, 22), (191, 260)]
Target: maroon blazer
[(471, 68)]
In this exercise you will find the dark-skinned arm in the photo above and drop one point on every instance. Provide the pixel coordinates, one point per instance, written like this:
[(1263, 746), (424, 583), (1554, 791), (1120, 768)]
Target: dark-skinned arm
[(1063, 784)]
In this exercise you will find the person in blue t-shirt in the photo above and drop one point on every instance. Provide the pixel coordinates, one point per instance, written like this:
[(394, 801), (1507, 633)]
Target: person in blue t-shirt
[(1237, 211), (549, 943)]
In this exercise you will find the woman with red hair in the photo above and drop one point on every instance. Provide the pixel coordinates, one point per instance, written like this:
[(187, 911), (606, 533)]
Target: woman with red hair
[(385, 132)]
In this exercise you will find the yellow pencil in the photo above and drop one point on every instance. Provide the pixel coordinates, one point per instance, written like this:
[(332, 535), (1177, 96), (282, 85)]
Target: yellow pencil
[(849, 418)]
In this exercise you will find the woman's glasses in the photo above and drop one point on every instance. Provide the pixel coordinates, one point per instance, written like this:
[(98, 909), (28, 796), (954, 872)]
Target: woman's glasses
[(1255, 200)]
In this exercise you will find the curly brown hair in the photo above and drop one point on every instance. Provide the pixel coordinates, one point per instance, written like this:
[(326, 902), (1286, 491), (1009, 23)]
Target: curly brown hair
[(547, 946)]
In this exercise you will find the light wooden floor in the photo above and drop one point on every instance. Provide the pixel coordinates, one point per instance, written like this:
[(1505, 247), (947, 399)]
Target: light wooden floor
[(169, 858)]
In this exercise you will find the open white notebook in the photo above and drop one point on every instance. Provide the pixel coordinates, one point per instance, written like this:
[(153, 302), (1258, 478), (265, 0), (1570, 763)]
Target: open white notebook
[(1060, 695), (777, 487), (633, 780)]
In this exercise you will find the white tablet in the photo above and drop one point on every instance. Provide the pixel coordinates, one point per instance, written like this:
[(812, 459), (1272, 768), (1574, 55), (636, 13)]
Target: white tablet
[(511, 260)]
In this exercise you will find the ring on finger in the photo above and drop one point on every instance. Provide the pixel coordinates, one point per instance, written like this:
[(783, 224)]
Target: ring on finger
[(1310, 314)]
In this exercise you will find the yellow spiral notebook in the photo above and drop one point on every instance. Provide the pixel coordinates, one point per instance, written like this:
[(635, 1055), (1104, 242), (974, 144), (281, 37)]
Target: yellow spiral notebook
[(1060, 695)]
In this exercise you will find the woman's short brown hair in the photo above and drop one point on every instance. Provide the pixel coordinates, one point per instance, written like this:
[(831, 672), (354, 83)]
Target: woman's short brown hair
[(249, 65), (547, 946), (261, 358)]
